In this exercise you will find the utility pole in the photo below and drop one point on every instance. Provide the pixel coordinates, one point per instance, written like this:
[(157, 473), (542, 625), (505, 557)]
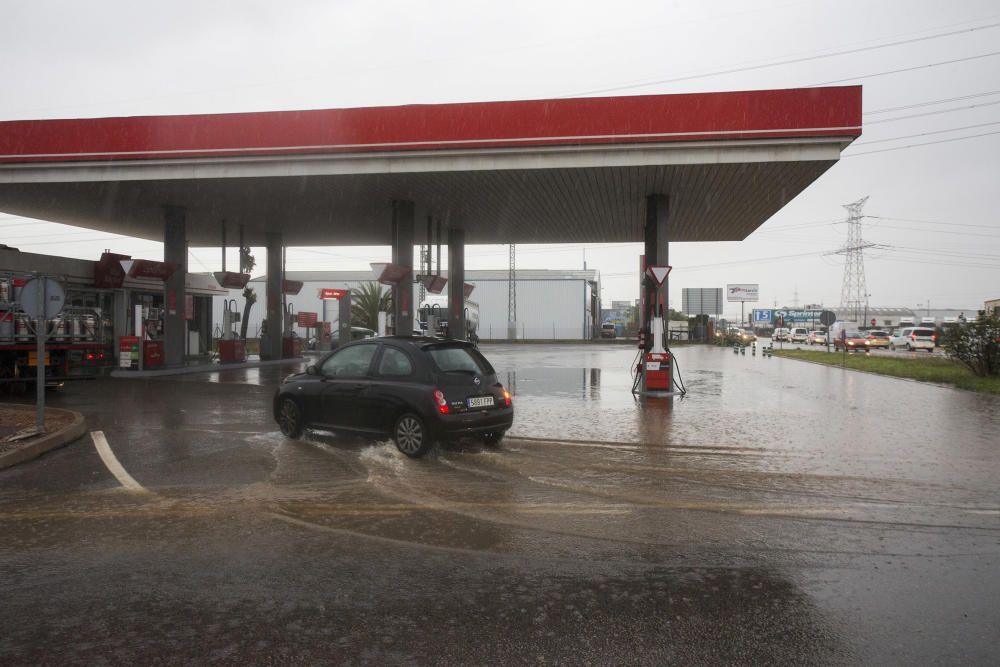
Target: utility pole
[(854, 288), (512, 295)]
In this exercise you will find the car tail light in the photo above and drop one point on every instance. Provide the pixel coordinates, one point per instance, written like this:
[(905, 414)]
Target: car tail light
[(441, 402), (90, 356), (506, 398), (913, 336), (934, 338)]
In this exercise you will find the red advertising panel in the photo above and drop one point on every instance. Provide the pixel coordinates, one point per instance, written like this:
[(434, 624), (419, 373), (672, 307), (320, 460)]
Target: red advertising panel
[(467, 289), (327, 293), (108, 271), (433, 284), (232, 280), (292, 286), (152, 354), (189, 306), (390, 274), (147, 268), (306, 319)]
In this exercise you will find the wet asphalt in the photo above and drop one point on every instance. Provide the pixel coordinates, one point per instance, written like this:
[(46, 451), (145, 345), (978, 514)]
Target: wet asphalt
[(780, 513)]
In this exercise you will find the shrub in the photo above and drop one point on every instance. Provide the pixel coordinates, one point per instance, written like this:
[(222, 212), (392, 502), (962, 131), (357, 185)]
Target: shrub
[(976, 345)]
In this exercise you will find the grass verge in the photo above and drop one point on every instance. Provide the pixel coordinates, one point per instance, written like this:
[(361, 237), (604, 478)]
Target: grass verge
[(937, 368)]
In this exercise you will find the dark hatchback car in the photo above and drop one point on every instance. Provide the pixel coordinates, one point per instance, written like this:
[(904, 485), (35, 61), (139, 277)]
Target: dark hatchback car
[(418, 390)]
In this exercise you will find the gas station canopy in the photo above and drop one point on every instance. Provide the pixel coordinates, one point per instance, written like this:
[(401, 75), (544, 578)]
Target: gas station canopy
[(541, 171)]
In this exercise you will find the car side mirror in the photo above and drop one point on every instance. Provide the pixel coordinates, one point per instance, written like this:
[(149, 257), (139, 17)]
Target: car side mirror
[(312, 369)]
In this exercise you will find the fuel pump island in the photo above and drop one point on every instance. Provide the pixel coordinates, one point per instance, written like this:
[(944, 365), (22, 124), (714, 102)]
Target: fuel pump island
[(654, 372)]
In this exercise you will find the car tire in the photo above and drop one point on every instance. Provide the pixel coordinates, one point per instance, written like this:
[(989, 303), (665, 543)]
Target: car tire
[(494, 439), (909, 348), (892, 347), (411, 436), (290, 419)]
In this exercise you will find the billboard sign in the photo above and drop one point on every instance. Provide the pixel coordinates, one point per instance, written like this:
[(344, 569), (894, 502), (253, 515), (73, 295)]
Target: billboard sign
[(800, 316), (742, 292), (701, 300), (762, 316)]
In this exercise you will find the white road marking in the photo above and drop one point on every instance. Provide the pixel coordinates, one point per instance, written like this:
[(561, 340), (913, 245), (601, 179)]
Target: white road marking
[(113, 465)]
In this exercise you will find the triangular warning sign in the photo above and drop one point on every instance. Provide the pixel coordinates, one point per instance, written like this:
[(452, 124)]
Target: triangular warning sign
[(658, 273)]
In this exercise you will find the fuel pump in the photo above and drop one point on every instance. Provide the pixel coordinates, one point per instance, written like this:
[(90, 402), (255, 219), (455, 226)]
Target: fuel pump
[(232, 348), (291, 344), (657, 362), (433, 318)]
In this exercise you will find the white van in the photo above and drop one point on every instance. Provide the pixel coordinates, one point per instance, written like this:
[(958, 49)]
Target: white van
[(781, 334), (799, 335), (840, 326)]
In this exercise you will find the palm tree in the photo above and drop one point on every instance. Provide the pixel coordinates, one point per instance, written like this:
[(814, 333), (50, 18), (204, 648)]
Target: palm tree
[(366, 303)]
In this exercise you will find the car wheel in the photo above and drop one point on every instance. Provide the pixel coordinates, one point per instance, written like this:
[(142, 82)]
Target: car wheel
[(290, 419), (909, 348), (892, 347), (411, 436), (494, 439)]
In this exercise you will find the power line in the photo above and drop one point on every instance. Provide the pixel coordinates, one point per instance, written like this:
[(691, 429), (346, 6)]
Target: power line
[(931, 113), (927, 134), (788, 61), (931, 222), (923, 143), (906, 69), (930, 103)]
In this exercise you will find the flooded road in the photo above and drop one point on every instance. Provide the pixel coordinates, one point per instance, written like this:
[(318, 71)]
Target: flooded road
[(781, 512)]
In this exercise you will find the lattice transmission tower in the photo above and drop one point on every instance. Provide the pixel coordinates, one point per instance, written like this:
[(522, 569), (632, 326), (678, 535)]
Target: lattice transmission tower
[(854, 294)]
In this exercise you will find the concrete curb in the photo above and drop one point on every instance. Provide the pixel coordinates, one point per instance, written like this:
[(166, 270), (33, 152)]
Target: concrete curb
[(76, 429), (203, 368)]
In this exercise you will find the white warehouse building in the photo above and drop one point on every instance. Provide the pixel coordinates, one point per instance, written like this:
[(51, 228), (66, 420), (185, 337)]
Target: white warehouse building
[(551, 304)]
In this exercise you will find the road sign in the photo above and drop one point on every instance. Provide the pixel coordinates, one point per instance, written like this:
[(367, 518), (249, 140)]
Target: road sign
[(762, 316), (701, 300), (658, 273), (827, 317), (54, 298)]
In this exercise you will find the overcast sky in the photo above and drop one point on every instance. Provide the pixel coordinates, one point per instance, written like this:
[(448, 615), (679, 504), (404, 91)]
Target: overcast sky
[(934, 195)]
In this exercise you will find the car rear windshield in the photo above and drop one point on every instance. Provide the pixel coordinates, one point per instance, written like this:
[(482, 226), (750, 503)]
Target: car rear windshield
[(854, 334), (923, 332), (459, 359)]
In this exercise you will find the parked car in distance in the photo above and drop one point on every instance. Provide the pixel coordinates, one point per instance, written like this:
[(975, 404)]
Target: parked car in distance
[(608, 330), (799, 335), (418, 390), (879, 338), (852, 341), (914, 338), (780, 334), (817, 338)]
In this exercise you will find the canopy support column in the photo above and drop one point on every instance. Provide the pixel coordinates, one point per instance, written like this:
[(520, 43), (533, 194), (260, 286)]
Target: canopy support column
[(402, 254), (657, 253), (456, 284), (175, 252), (270, 339)]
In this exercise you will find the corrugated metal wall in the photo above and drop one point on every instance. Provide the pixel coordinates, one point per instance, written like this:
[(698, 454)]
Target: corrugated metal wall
[(546, 309)]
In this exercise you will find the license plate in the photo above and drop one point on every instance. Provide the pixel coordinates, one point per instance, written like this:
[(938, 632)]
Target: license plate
[(480, 402)]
